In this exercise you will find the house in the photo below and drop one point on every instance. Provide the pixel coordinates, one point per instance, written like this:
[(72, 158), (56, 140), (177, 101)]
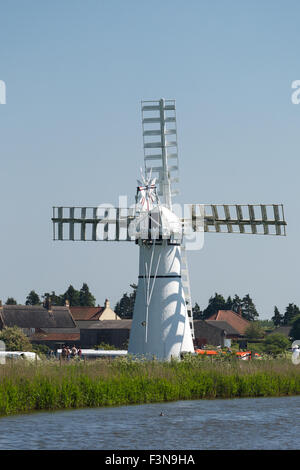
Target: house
[(215, 333), (54, 326), (31, 318), (283, 330), (113, 332), (55, 338), (235, 320), (94, 313), (207, 334), (51, 325)]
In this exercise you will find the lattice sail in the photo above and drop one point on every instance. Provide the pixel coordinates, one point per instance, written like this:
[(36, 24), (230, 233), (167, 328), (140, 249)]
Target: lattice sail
[(258, 219), (160, 146), (92, 223)]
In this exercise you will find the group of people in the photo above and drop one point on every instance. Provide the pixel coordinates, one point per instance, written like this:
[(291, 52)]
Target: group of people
[(67, 353)]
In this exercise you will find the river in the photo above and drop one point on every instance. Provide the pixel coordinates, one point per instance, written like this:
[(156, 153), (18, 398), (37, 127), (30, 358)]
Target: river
[(255, 423)]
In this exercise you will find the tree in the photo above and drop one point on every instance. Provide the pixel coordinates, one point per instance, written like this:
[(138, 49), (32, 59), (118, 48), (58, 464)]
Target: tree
[(124, 308), (275, 344), (15, 339), (277, 318), (197, 314), (32, 298), (249, 311), (73, 297), (229, 303), (215, 304), (254, 331), (291, 312), (11, 301), (295, 330), (237, 304), (86, 299), (53, 298)]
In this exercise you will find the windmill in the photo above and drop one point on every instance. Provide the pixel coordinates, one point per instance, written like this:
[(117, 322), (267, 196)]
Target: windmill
[(162, 324)]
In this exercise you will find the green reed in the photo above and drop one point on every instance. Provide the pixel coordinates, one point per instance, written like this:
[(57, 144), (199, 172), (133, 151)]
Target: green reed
[(50, 385)]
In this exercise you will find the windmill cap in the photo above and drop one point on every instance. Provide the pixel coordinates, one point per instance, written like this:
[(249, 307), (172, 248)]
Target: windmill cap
[(159, 222)]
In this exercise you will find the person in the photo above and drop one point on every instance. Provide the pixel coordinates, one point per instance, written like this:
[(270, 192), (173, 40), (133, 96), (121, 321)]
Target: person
[(79, 352), (67, 352), (64, 353), (73, 351)]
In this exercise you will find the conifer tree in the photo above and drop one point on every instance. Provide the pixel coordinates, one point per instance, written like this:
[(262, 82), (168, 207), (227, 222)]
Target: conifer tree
[(215, 304), (11, 301), (32, 298), (124, 308), (85, 297), (197, 314), (248, 309), (277, 319), (236, 304), (291, 312), (72, 295)]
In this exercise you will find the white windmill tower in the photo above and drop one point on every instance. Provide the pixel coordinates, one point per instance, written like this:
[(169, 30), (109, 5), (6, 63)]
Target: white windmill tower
[(162, 324)]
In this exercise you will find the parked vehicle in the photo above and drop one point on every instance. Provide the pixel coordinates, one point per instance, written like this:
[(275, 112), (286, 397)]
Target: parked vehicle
[(18, 356)]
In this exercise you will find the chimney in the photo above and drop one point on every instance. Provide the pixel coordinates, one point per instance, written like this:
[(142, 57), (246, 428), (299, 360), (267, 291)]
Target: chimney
[(107, 303)]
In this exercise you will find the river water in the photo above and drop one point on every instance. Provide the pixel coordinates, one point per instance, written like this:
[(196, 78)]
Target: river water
[(256, 423)]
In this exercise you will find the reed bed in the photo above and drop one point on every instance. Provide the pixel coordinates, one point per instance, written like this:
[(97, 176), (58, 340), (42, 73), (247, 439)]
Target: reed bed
[(49, 385)]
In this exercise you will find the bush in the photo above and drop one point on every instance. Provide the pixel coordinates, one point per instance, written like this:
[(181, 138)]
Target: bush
[(275, 344), (15, 339), (105, 346), (254, 331), (41, 349)]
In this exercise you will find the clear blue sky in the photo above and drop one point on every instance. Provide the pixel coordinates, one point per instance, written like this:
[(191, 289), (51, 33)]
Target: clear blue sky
[(70, 134)]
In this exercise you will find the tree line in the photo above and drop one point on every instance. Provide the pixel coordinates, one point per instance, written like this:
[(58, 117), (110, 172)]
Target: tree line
[(242, 305), (291, 312), (82, 297), (124, 307)]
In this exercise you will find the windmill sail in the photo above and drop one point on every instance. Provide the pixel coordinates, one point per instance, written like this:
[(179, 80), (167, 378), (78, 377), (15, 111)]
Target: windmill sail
[(92, 223), (160, 146), (257, 219)]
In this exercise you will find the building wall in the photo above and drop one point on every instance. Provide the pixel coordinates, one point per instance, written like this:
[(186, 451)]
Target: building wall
[(207, 334), (115, 337), (109, 314)]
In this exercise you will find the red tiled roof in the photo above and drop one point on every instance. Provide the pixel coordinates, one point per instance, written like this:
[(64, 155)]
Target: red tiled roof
[(234, 319), (86, 313), (56, 336)]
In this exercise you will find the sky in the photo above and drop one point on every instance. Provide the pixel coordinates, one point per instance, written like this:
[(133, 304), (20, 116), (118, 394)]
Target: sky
[(71, 134)]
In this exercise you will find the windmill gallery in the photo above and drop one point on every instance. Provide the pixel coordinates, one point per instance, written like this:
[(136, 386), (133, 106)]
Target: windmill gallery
[(162, 324)]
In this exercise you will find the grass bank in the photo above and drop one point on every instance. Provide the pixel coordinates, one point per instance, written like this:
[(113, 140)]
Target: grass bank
[(51, 386)]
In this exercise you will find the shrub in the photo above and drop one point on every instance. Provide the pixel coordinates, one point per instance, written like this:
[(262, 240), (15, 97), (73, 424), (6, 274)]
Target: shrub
[(275, 344), (15, 339)]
